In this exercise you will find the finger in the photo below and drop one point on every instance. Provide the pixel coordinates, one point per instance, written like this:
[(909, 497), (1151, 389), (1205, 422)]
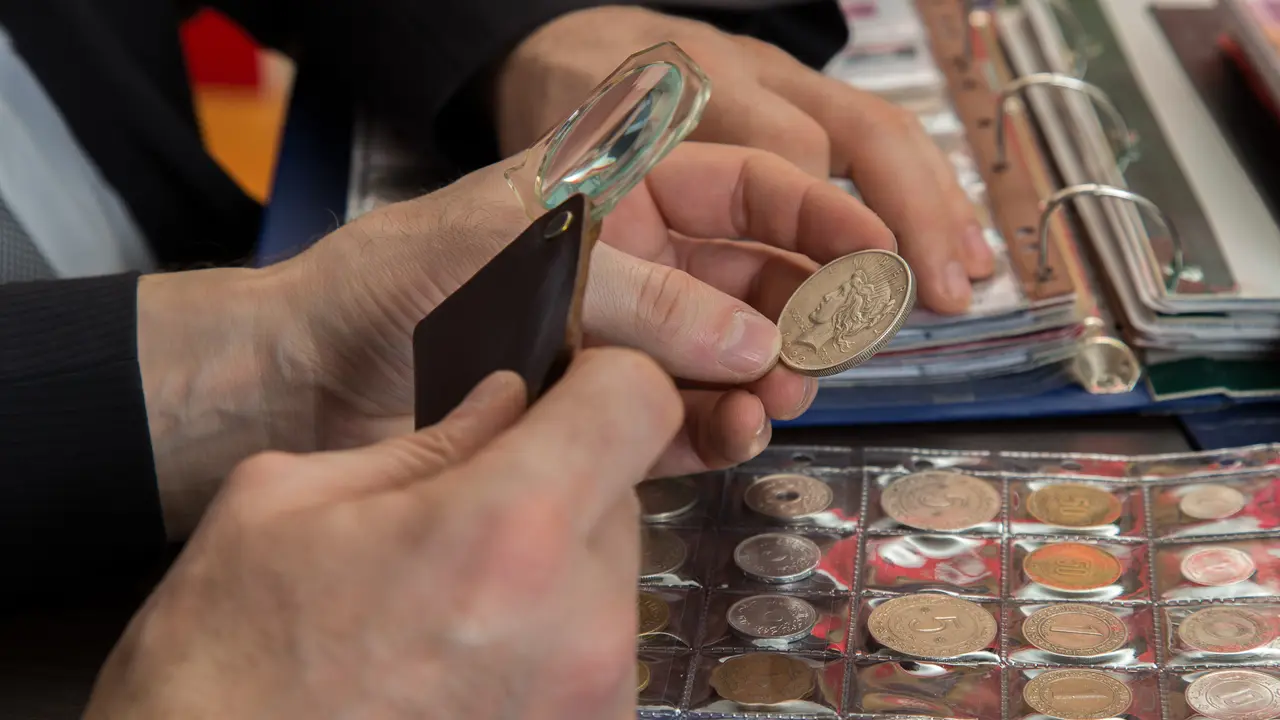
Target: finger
[(721, 429), (898, 171), (785, 394), (719, 191), (692, 329), (762, 276), (592, 437), (979, 260), (754, 117)]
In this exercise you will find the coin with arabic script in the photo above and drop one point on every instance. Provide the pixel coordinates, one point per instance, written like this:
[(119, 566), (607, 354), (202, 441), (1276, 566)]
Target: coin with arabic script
[(654, 613), (1075, 630), (788, 497), (664, 499), (661, 552), (1077, 695), (1235, 695), (777, 557), (1217, 566), (940, 501), (763, 678), (1072, 567), (772, 617), (1212, 502), (1073, 505), (846, 312), (932, 626), (1226, 630)]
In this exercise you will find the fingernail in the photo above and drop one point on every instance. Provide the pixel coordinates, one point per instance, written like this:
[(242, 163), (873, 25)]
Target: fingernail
[(957, 282), (751, 343), (975, 243), (763, 435), (810, 392)]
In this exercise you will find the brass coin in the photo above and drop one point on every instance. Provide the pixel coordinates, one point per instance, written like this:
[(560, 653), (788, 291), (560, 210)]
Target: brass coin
[(666, 498), (654, 613), (1073, 567), (661, 552), (788, 497), (643, 675), (1073, 505), (1077, 695), (1226, 630), (1235, 695), (846, 312), (763, 679), (932, 626), (1217, 566), (1075, 630), (1212, 502), (940, 501)]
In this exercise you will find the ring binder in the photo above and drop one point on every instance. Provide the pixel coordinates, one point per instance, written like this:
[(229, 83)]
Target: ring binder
[(1128, 138), (1056, 200)]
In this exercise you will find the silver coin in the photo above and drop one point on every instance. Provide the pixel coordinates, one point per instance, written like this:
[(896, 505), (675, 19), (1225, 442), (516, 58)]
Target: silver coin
[(788, 497), (662, 552), (773, 617), (777, 557), (666, 498)]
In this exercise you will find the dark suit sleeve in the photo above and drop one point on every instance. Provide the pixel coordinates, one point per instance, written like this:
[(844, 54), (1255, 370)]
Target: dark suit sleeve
[(76, 473)]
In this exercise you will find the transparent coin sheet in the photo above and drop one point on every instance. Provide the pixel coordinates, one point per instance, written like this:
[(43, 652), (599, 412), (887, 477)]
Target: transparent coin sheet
[(832, 582)]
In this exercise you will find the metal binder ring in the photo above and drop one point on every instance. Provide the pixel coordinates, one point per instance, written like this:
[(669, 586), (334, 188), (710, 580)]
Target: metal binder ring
[(1057, 199), (1066, 82), (1083, 49)]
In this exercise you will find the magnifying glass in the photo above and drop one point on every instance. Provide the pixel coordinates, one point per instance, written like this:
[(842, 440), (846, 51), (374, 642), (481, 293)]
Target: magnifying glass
[(523, 310)]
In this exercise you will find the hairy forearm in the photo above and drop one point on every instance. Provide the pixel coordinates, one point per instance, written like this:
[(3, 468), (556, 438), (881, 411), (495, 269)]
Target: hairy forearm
[(206, 350)]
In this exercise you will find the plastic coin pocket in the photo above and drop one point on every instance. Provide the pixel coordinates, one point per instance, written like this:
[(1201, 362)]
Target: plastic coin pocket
[(1237, 693), (925, 689), (1218, 634), (811, 624), (668, 617), (811, 498), (1080, 634), (1222, 506), (945, 563), (1077, 569), (909, 460), (1075, 693), (935, 501), (928, 626), (793, 561), (683, 502), (768, 684), (660, 681), (1236, 569), (1062, 507), (671, 557)]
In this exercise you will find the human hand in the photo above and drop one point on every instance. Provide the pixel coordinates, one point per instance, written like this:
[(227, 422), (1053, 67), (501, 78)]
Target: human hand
[(483, 568), (764, 98)]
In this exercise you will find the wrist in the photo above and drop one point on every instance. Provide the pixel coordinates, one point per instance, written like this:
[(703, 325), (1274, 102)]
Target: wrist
[(208, 352)]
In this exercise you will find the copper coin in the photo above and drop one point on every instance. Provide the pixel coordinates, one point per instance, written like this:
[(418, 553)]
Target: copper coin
[(666, 498), (654, 613), (1073, 567), (1075, 630), (1217, 566), (788, 497), (763, 679), (643, 676), (1073, 505), (846, 312), (1212, 502), (661, 552), (932, 626), (772, 617), (777, 557), (1235, 695), (940, 501), (1077, 695), (1226, 630)]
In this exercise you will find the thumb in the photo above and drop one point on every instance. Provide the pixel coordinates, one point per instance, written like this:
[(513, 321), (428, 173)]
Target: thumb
[(693, 330)]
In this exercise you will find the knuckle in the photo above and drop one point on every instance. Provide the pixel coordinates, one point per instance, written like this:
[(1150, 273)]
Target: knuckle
[(664, 307), (423, 452)]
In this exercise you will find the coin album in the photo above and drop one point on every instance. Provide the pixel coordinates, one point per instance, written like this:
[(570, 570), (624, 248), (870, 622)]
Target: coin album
[(834, 582)]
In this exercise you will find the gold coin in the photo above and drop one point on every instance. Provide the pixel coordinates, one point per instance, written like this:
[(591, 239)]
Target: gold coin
[(1077, 695), (643, 676), (1212, 502), (654, 613), (763, 679), (932, 626), (1073, 567), (1226, 630), (1073, 505), (1075, 630), (1235, 695), (940, 501), (846, 312)]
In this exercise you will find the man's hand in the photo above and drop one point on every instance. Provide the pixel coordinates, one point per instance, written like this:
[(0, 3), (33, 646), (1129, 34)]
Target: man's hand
[(483, 568), (764, 98)]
